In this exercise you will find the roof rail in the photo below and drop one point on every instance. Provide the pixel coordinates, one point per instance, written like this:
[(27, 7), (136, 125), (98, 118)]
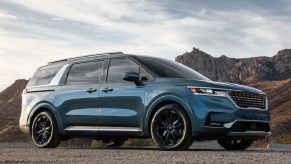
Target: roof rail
[(86, 56)]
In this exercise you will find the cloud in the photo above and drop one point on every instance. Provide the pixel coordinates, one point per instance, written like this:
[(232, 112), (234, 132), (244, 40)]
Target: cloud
[(57, 19), (6, 15), (203, 11), (140, 22), (35, 32)]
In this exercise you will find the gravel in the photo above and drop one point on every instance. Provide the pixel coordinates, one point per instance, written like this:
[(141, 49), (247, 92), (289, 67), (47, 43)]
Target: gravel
[(19, 153)]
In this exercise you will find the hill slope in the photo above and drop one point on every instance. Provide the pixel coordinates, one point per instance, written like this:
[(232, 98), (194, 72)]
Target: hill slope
[(10, 107), (279, 93), (245, 70)]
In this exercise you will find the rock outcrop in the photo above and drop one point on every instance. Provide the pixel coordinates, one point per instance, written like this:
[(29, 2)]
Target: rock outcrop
[(245, 70), (214, 68), (10, 108)]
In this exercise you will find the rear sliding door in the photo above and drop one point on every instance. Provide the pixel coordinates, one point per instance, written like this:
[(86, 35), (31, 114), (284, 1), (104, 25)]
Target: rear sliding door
[(76, 101)]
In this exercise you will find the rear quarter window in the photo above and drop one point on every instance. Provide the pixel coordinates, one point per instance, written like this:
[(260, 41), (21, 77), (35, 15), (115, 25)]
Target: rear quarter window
[(43, 76)]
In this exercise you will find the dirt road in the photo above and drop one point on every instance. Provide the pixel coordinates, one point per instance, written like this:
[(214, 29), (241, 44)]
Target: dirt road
[(24, 153)]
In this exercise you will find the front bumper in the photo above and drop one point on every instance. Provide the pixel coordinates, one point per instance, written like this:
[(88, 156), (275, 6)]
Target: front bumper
[(258, 134), (22, 125), (24, 129), (218, 117), (238, 129)]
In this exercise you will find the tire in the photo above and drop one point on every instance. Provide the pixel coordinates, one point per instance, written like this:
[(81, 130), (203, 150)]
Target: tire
[(235, 144), (171, 128), (114, 142), (44, 131)]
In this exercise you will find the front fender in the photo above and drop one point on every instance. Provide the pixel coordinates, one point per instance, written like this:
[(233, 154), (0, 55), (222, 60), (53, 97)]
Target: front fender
[(161, 99)]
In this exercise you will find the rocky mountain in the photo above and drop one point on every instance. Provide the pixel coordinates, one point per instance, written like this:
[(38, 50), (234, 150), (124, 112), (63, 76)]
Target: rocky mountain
[(212, 67), (10, 107), (279, 93), (245, 70)]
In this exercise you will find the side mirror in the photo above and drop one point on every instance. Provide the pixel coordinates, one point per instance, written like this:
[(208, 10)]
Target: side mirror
[(133, 77)]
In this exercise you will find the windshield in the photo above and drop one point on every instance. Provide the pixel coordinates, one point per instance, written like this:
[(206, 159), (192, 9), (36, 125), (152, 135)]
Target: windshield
[(168, 68)]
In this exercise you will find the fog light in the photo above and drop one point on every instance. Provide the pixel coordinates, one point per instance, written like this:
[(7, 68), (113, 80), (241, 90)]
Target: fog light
[(215, 124)]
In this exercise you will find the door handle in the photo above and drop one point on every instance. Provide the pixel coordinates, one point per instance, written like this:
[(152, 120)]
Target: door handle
[(106, 89), (90, 90)]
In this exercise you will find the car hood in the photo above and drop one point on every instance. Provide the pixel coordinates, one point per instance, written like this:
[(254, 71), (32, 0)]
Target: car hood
[(210, 84)]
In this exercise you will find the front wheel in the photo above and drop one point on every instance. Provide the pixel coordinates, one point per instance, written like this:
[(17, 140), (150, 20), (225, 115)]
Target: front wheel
[(44, 131), (171, 128), (235, 144)]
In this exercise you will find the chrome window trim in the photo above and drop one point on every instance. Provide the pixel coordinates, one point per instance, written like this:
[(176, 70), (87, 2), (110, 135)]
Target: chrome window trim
[(59, 75), (55, 81)]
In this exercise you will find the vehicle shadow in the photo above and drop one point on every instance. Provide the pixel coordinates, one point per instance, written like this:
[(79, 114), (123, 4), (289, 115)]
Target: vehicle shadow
[(193, 149)]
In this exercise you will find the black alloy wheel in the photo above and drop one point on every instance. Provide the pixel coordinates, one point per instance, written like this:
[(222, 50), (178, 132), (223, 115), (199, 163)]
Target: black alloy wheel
[(171, 129), (44, 131), (233, 144)]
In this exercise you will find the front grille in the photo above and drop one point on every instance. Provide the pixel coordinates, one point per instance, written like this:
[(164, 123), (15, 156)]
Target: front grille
[(246, 126), (248, 99)]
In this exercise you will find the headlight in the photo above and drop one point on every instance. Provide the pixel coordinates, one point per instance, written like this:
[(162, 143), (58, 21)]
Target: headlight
[(207, 91), (202, 90)]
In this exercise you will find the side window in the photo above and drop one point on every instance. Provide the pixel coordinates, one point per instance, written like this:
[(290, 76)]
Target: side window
[(43, 76), (119, 66), (85, 73)]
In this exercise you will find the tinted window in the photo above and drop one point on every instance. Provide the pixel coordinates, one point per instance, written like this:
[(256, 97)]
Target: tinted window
[(168, 68), (85, 73), (119, 66), (144, 75), (43, 76)]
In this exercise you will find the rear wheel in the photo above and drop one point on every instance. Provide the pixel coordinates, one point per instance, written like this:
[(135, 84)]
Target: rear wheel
[(44, 131), (171, 128), (113, 142), (235, 144)]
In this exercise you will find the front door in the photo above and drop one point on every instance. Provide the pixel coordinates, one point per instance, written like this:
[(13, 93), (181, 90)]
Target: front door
[(121, 103)]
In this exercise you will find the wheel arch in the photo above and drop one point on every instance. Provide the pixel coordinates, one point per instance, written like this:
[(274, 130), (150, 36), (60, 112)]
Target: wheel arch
[(40, 108), (164, 100)]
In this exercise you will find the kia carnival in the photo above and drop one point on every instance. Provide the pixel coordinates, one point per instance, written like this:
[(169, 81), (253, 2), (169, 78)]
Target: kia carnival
[(114, 96)]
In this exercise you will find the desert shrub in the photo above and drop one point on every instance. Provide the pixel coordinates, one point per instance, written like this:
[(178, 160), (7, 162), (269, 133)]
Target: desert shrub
[(283, 139), (139, 142), (96, 144)]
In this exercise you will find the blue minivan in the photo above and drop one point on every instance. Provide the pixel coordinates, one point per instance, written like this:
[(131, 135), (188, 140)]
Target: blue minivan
[(114, 96)]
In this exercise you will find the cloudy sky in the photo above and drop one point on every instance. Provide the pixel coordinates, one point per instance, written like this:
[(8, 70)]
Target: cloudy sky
[(34, 32)]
